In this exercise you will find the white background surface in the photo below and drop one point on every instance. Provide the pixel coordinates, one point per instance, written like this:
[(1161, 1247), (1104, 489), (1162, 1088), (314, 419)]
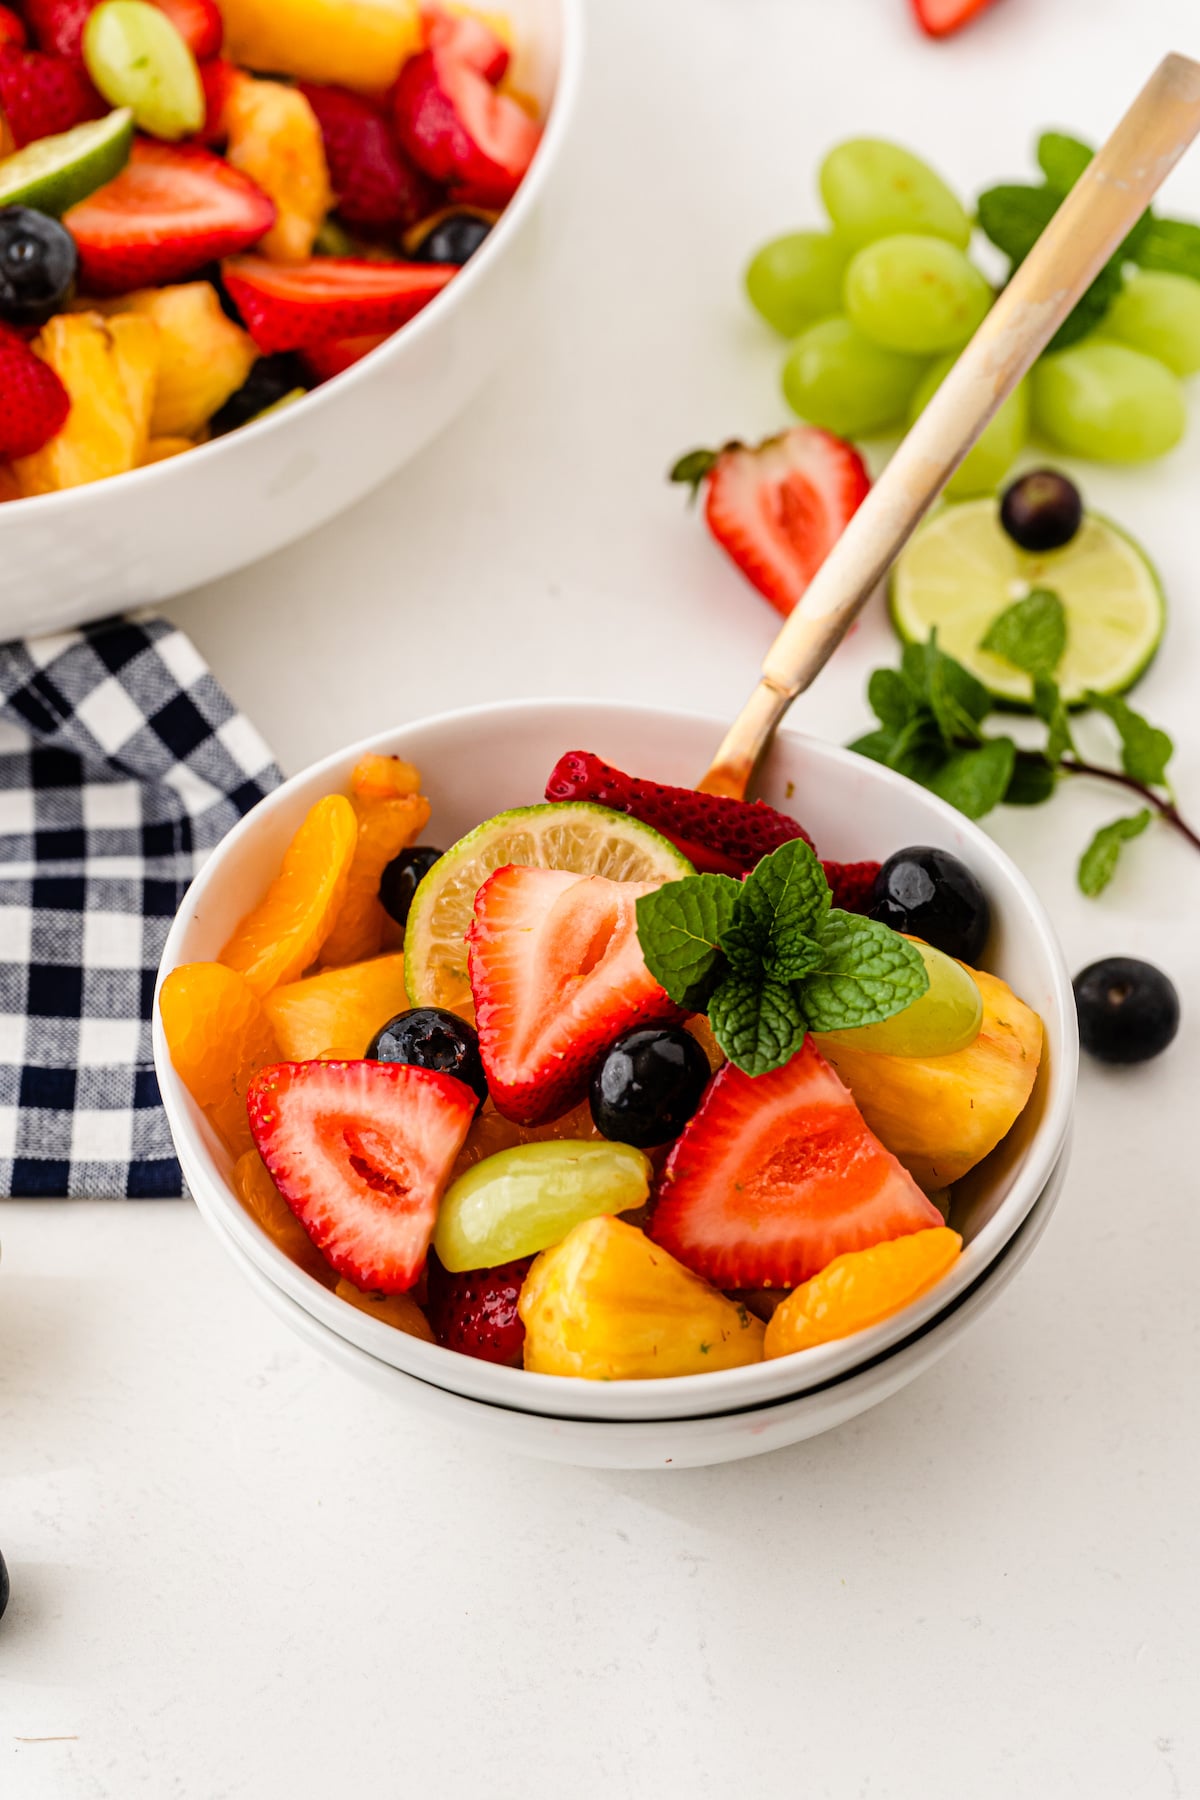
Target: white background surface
[(239, 1576)]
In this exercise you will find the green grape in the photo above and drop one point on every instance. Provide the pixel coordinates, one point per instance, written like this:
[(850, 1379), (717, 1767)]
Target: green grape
[(523, 1200), (137, 58), (917, 294), (798, 278), (946, 1018), (836, 378), (872, 188), (988, 462), (1108, 402), (1160, 314)]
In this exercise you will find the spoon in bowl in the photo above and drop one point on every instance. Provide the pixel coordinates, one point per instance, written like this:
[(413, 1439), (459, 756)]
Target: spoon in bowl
[(1088, 228)]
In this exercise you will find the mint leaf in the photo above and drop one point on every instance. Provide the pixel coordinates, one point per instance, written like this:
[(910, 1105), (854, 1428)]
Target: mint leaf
[(787, 891), (891, 698), (1033, 781), (1048, 705), (1090, 308), (1062, 159), (957, 701), (1031, 634), (1098, 864), (1015, 216), (976, 780), (1145, 750), (1172, 245), (759, 1026), (868, 972), (680, 927), (793, 960)]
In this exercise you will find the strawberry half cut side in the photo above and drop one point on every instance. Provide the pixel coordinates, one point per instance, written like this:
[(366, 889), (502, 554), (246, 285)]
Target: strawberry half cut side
[(294, 306), (779, 508), (362, 1152), (718, 836), (469, 38), (460, 131), (777, 1174), (938, 18), (556, 973), (173, 208)]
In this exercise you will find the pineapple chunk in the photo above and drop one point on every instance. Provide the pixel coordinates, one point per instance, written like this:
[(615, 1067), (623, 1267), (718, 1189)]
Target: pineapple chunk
[(352, 43), (204, 357), (338, 1007), (162, 449), (274, 138), (942, 1114), (609, 1305), (109, 369), (10, 488), (400, 1310)]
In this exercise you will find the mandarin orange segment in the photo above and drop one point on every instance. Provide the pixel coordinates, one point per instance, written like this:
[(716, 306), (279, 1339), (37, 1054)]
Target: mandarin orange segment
[(861, 1288), (218, 1036), (385, 827), (268, 1208), (284, 933), (384, 778), (338, 1009), (400, 1310)]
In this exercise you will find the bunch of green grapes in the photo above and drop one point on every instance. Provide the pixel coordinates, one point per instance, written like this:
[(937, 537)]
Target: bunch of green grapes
[(879, 306)]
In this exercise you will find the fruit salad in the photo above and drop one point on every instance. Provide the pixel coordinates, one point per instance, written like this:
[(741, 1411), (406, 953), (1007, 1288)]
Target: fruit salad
[(624, 1084), (208, 207)]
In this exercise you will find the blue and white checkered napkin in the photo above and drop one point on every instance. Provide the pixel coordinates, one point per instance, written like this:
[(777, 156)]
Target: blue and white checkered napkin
[(122, 763)]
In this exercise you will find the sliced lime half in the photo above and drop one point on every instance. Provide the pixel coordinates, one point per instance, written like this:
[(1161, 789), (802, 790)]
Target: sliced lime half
[(57, 172), (576, 835), (961, 570)]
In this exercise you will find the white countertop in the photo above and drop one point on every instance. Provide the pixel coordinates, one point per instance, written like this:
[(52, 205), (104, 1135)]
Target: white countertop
[(239, 1575)]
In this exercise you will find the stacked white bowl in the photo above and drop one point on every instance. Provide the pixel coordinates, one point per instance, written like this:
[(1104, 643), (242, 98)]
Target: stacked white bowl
[(477, 763)]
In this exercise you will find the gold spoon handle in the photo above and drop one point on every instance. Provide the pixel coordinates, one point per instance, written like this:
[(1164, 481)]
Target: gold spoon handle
[(1086, 230)]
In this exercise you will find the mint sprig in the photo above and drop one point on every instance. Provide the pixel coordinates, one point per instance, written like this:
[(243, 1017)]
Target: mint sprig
[(770, 958)]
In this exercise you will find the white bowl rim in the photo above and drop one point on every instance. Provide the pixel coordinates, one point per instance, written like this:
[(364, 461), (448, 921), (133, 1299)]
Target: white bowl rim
[(562, 106), (216, 1198)]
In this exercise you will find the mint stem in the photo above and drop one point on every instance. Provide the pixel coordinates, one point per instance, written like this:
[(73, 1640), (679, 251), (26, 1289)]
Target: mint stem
[(1166, 809)]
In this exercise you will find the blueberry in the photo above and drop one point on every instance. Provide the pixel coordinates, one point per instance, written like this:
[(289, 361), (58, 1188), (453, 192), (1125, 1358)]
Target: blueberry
[(453, 239), (648, 1086), (1041, 510), (403, 876), (932, 895), (4, 1587), (271, 378), (1128, 1010), (37, 265), (428, 1037)]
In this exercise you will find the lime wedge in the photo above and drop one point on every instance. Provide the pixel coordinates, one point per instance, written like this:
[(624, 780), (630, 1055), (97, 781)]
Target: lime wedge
[(590, 840), (961, 569), (57, 172)]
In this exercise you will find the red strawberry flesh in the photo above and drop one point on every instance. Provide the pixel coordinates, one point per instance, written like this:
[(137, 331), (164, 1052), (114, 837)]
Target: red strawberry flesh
[(941, 17), (476, 1313), (42, 95), (294, 306), (777, 1174), (851, 884), (374, 182), (460, 131), (362, 1152), (470, 40), (12, 28), (33, 401)]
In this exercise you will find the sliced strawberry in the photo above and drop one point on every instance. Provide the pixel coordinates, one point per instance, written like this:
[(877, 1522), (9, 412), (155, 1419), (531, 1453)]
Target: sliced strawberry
[(57, 25), (776, 1175), (852, 884), (940, 17), (476, 1314), (218, 77), (12, 29), (327, 360), (361, 1152), (460, 131), (199, 24), (779, 507), (556, 973), (41, 95), (173, 208), (467, 37), (33, 401), (722, 837), (294, 306), (374, 183)]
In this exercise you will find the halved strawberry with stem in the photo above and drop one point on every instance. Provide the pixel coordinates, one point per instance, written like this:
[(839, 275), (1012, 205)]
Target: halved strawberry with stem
[(938, 18), (362, 1152), (777, 1174), (777, 508), (460, 131), (173, 208), (556, 973), (294, 306), (467, 37)]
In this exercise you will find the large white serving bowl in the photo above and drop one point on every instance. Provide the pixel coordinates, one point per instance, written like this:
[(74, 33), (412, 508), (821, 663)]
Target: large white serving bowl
[(137, 538), (679, 1443), (476, 763)]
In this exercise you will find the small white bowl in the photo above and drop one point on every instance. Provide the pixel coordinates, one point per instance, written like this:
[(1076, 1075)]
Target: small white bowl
[(84, 552), (679, 1443), (476, 763)]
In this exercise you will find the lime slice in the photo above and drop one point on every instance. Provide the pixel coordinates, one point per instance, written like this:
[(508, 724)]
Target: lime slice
[(57, 172), (590, 840), (961, 569)]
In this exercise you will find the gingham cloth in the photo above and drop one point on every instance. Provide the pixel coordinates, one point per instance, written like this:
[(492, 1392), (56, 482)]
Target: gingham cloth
[(122, 763)]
